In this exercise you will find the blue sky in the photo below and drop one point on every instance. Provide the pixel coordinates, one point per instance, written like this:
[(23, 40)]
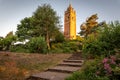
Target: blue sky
[(12, 11)]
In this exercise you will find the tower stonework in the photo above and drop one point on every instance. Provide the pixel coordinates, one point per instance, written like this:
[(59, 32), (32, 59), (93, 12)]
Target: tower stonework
[(70, 23)]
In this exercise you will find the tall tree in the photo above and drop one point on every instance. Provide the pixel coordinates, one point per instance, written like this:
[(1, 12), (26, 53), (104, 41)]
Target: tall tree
[(87, 27), (46, 22), (24, 29)]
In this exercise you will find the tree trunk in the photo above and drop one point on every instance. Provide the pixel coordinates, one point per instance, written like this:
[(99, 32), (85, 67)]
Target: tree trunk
[(48, 41)]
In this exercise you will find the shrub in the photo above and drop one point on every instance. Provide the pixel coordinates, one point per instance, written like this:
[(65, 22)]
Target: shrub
[(105, 43), (59, 37), (107, 68), (37, 45), (6, 42), (110, 67), (65, 47), (88, 72), (19, 48)]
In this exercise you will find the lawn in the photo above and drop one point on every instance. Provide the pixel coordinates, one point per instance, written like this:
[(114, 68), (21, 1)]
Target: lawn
[(18, 66)]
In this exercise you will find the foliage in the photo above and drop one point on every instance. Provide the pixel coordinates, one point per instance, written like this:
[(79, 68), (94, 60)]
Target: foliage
[(59, 37), (19, 48), (25, 28), (88, 72), (86, 28), (104, 44), (37, 44), (6, 42), (111, 34), (107, 68), (79, 38), (46, 22), (65, 47), (91, 26), (110, 67), (106, 62)]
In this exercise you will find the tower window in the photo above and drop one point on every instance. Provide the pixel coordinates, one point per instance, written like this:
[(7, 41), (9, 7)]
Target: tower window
[(68, 18)]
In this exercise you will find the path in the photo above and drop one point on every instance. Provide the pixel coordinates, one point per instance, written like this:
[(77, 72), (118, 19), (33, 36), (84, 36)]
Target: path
[(62, 70)]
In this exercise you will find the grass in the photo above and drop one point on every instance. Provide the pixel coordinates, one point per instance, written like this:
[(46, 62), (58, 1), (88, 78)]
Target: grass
[(21, 65)]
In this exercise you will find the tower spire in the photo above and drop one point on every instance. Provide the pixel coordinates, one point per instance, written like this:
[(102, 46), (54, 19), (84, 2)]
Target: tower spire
[(70, 5)]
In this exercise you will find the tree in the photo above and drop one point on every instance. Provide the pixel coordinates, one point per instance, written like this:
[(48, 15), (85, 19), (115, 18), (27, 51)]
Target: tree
[(9, 34), (86, 28), (24, 29), (6, 42), (59, 37), (91, 26), (46, 22)]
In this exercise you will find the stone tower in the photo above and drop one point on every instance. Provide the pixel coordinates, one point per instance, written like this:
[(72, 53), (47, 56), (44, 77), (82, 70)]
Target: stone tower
[(70, 23)]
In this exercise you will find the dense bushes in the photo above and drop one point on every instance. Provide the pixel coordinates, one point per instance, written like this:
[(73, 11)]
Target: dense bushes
[(104, 54), (37, 45), (107, 68), (65, 47), (88, 72), (19, 48), (6, 42), (104, 44)]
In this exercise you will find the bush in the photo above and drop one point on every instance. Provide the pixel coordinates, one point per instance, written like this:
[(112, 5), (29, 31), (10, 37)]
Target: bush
[(106, 64), (37, 45), (102, 68), (105, 43), (110, 67), (6, 42), (88, 72), (59, 37), (19, 48), (65, 47)]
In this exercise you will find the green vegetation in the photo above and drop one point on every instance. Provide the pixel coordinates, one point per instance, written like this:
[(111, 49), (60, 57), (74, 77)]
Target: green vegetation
[(37, 44), (106, 68), (44, 22), (102, 53), (6, 42), (106, 42), (100, 47), (19, 48), (66, 47), (42, 30)]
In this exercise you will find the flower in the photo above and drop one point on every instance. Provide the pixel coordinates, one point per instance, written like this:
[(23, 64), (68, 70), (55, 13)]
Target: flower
[(113, 58), (112, 61), (106, 66), (105, 60)]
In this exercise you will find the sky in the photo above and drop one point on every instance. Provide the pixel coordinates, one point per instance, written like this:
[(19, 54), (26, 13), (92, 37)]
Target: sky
[(13, 11)]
